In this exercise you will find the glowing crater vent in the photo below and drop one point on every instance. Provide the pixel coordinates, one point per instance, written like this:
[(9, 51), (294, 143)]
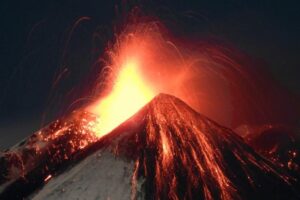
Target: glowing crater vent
[(130, 93)]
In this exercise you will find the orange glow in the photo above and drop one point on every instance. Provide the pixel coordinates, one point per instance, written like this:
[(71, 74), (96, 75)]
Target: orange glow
[(130, 93), (142, 63)]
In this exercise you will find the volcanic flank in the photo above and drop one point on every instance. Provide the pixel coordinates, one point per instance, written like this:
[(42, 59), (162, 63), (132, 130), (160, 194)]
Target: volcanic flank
[(165, 151)]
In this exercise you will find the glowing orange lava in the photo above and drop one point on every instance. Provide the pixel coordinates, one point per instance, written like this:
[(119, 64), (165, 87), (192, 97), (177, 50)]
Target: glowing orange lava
[(130, 93)]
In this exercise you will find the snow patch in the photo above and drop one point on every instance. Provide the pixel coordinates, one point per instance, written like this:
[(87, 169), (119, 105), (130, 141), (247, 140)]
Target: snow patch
[(100, 176)]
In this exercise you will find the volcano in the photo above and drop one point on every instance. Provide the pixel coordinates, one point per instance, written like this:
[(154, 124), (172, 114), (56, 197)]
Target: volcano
[(165, 151)]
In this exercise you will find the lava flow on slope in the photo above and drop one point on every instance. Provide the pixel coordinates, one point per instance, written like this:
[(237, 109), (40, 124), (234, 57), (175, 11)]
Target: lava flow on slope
[(31, 162), (174, 153), (183, 155)]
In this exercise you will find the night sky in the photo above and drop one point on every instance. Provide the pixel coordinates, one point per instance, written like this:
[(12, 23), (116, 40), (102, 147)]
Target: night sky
[(36, 43)]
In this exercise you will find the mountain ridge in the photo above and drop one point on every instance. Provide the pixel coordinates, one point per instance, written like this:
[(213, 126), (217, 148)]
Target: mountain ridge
[(176, 153)]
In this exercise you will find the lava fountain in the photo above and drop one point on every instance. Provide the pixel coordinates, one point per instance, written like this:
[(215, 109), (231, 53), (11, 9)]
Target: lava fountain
[(134, 72), (140, 64), (130, 93)]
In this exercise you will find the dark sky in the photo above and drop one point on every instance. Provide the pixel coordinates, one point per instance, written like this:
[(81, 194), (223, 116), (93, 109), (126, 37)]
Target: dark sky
[(35, 43)]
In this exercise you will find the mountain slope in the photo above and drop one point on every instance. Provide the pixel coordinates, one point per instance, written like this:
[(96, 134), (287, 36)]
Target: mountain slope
[(182, 154), (279, 144), (168, 151)]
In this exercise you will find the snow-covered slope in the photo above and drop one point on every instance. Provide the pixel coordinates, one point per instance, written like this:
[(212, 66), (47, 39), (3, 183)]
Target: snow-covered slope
[(100, 176)]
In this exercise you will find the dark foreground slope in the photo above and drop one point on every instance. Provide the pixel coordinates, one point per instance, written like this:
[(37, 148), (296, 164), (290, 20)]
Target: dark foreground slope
[(279, 144), (168, 151)]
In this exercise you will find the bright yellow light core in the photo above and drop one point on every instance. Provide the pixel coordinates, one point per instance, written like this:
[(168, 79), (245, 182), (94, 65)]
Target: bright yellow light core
[(129, 94)]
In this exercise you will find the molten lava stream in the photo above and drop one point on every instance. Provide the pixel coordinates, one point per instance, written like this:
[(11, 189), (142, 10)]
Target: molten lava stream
[(130, 93)]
